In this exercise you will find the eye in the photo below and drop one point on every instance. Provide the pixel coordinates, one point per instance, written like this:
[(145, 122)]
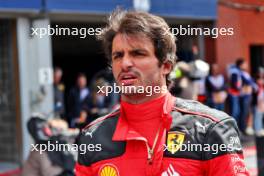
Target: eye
[(117, 55), (138, 53)]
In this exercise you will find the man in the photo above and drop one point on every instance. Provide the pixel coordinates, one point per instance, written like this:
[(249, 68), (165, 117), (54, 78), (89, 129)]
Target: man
[(78, 101), (248, 85), (235, 80), (215, 88), (147, 134), (240, 93), (58, 87)]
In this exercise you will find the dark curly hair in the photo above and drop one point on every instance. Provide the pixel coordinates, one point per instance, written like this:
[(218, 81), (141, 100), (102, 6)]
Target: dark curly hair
[(141, 23)]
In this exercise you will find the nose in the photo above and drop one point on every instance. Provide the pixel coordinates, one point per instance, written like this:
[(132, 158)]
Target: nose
[(126, 63)]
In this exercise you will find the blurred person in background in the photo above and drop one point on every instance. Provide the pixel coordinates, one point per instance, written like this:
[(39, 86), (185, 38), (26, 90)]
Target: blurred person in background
[(49, 162), (258, 106), (199, 69), (99, 102), (181, 84), (187, 79), (201, 90), (58, 87), (107, 75), (235, 85), (215, 88), (78, 101), (248, 86), (240, 93)]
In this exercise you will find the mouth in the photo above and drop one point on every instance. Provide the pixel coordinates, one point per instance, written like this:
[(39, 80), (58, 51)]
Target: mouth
[(128, 79)]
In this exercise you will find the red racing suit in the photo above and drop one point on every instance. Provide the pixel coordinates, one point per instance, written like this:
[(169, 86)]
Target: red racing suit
[(195, 141)]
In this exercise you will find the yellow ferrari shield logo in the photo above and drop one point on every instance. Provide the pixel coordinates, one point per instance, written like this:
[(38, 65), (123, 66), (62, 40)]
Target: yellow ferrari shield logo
[(174, 141), (108, 170)]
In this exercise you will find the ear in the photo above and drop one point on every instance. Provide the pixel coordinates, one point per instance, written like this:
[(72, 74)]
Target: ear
[(166, 67)]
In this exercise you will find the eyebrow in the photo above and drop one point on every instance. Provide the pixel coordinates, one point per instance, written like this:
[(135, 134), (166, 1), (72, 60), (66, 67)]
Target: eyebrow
[(138, 50), (132, 51)]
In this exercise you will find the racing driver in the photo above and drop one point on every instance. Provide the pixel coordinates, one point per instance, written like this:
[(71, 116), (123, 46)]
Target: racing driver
[(157, 134)]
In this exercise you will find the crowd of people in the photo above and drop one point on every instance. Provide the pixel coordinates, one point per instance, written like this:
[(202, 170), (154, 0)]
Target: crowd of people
[(82, 104), (236, 92), (73, 109)]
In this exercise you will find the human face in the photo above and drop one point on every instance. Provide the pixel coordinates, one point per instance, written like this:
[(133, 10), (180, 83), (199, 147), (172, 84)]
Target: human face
[(134, 63), (244, 66), (215, 70), (82, 82), (57, 76)]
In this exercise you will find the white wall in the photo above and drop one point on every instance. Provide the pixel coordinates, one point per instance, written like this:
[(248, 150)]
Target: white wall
[(34, 54)]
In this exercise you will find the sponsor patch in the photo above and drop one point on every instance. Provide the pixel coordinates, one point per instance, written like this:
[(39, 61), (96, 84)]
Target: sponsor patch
[(108, 170), (174, 141)]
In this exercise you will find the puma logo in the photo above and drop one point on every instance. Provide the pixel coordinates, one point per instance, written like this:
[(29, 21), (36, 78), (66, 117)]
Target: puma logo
[(203, 127), (90, 133)]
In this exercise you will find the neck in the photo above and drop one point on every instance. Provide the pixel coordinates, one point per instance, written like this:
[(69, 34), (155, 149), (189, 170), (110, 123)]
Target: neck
[(144, 118)]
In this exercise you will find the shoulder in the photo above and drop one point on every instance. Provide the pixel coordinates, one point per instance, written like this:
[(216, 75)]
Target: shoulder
[(102, 122), (196, 108), (192, 115), (203, 125), (98, 134)]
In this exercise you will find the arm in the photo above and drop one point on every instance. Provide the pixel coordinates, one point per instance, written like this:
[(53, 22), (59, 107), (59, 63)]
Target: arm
[(224, 85), (228, 160), (82, 167), (208, 85)]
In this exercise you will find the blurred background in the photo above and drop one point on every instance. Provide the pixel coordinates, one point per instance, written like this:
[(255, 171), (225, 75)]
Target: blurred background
[(44, 75)]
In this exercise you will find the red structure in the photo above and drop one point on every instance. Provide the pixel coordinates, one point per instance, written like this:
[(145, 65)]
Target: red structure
[(247, 19)]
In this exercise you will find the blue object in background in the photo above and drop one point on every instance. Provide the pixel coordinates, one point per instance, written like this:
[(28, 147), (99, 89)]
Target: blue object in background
[(190, 9), (21, 5)]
